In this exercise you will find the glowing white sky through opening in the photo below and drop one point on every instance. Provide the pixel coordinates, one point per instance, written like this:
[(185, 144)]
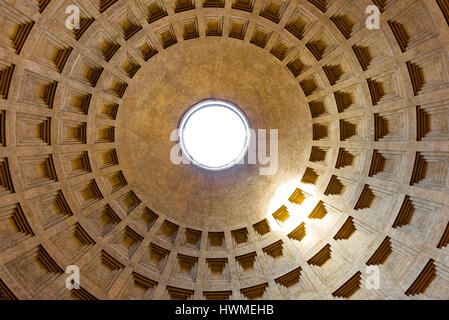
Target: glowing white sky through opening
[(214, 135)]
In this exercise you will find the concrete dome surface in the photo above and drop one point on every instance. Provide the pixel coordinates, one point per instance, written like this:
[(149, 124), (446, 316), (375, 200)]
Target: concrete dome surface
[(356, 206)]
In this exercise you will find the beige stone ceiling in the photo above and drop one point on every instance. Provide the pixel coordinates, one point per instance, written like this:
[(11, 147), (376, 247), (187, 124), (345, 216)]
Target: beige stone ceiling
[(85, 171), (221, 68)]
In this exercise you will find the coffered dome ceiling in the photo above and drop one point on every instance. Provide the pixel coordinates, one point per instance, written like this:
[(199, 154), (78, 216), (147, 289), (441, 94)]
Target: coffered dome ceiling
[(363, 166)]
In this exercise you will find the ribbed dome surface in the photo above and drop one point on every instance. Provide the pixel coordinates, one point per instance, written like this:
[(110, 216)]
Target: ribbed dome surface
[(363, 163)]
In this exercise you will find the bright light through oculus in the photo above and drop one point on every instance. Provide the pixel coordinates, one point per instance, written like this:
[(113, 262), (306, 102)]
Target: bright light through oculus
[(214, 135)]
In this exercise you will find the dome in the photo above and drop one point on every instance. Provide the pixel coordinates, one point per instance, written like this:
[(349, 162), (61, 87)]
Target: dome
[(337, 188)]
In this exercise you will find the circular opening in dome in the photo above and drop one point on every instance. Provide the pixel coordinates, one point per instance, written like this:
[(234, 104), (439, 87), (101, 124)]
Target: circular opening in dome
[(214, 135)]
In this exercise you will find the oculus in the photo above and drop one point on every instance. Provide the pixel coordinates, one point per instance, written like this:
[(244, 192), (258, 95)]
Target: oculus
[(214, 135)]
